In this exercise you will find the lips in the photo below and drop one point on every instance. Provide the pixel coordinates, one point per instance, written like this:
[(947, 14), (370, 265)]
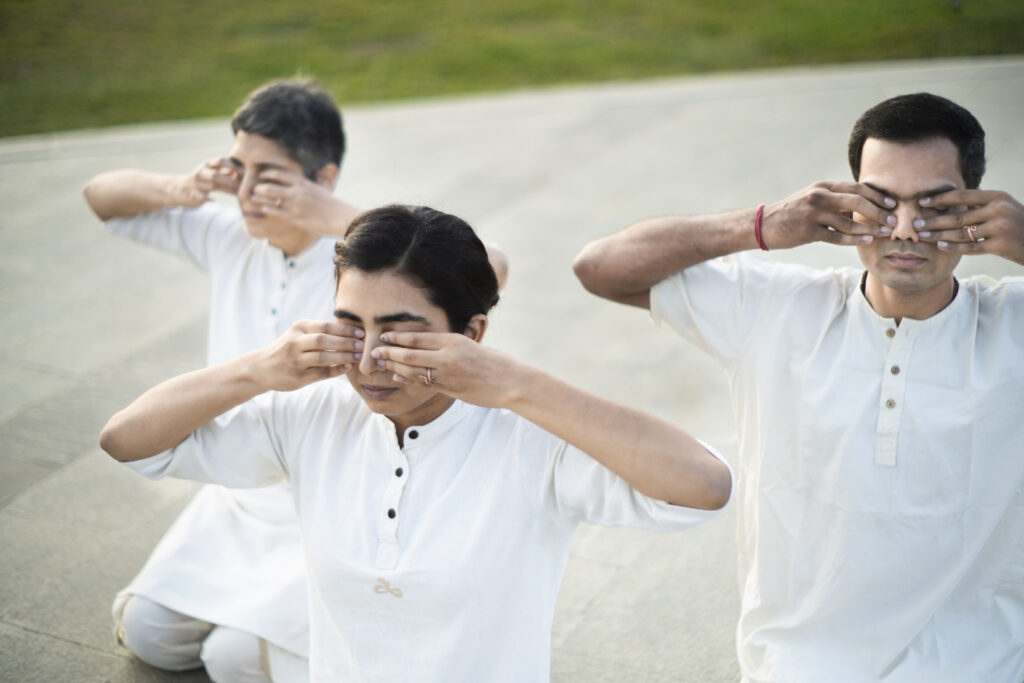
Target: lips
[(905, 259), (375, 393)]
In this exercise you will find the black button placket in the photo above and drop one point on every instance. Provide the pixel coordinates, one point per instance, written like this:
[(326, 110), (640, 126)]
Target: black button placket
[(391, 509)]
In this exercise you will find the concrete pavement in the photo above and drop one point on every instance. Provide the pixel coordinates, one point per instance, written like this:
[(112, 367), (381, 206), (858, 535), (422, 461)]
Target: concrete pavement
[(90, 320)]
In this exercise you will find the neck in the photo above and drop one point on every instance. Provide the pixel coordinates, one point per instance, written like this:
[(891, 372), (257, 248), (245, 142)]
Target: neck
[(425, 414), (293, 242), (916, 305)]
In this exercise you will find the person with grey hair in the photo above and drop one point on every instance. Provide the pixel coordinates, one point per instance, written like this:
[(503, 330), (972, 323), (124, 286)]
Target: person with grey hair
[(880, 477)]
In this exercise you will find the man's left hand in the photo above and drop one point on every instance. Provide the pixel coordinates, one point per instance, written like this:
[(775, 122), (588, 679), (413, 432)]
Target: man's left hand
[(994, 220), (296, 199)]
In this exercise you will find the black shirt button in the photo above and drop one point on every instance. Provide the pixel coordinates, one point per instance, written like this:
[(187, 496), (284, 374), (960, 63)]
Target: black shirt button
[(391, 513), (399, 472), (413, 434)]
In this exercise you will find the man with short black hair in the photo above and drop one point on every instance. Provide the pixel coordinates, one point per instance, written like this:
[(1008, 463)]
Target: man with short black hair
[(225, 588), (881, 477)]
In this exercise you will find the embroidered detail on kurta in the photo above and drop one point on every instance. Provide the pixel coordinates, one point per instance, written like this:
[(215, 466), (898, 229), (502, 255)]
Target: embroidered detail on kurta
[(385, 587)]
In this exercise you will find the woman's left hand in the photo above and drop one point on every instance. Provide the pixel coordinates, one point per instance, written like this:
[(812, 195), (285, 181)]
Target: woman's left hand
[(451, 363)]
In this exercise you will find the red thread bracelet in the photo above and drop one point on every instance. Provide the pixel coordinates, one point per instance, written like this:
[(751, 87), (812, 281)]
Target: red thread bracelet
[(757, 227)]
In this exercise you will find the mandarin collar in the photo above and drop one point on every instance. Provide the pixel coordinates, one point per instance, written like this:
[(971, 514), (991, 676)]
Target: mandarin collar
[(958, 301)]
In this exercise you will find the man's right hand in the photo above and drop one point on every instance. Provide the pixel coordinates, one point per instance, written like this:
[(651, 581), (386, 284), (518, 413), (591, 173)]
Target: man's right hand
[(836, 212), (194, 188)]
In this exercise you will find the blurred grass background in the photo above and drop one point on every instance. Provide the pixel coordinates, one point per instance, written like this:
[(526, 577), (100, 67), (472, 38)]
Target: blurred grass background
[(74, 63)]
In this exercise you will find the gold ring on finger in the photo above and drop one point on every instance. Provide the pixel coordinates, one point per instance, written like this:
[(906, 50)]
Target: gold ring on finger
[(429, 379), (970, 229)]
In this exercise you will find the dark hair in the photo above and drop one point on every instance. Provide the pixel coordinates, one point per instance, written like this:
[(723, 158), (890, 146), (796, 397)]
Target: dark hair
[(911, 118), (434, 250), (300, 116)]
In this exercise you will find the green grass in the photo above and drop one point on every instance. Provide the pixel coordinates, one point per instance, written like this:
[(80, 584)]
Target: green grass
[(82, 63)]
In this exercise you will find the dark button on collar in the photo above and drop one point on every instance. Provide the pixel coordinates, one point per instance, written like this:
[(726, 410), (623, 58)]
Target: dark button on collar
[(392, 513), (399, 472), (413, 434)]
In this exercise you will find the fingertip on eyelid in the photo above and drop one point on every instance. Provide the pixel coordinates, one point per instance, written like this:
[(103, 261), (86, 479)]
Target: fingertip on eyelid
[(889, 201), (925, 201)]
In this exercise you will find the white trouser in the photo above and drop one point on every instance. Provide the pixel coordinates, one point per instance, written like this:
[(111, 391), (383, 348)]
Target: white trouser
[(168, 640)]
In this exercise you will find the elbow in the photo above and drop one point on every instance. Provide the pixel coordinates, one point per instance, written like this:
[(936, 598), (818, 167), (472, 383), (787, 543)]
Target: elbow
[(587, 268), (93, 198), (602, 277), (719, 491), (112, 441), (714, 492)]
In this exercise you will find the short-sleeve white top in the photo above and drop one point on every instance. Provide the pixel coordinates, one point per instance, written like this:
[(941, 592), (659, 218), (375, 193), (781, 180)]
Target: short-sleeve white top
[(881, 472), (233, 556), (436, 561)]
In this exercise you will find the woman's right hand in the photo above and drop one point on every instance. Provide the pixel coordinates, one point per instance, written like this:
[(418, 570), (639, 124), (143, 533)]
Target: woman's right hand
[(309, 351)]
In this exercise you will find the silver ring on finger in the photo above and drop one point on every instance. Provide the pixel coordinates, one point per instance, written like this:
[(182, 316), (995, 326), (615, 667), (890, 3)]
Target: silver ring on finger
[(970, 230)]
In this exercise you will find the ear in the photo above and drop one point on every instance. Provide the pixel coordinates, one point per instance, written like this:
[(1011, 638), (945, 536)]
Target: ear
[(327, 176), (476, 327)]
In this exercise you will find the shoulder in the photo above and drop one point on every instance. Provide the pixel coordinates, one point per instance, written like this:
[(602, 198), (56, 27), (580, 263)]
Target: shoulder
[(999, 302), (747, 280), (755, 270)]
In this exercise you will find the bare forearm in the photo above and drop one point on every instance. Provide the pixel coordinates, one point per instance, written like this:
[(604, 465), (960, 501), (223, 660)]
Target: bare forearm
[(656, 458), (163, 416), (624, 266), (129, 191), (336, 218)]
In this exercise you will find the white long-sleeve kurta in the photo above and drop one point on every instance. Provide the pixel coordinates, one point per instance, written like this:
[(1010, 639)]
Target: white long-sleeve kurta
[(881, 474), (438, 561), (233, 557)]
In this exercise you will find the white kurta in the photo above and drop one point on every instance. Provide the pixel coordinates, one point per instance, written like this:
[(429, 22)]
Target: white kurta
[(233, 557), (439, 561), (881, 475)]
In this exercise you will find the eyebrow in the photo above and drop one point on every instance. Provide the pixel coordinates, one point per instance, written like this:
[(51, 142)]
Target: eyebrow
[(924, 193), (342, 314), (258, 167)]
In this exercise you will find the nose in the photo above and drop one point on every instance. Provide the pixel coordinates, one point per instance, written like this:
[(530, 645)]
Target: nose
[(368, 364), (246, 184), (905, 214)]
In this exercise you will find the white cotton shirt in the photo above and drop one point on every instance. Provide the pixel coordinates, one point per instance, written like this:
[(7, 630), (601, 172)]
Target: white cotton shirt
[(439, 561), (234, 557), (881, 472)]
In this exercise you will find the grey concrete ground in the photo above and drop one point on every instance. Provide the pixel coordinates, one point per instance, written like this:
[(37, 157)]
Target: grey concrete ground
[(89, 321)]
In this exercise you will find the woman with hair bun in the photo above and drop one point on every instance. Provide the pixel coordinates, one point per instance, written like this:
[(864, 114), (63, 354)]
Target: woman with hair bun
[(439, 486)]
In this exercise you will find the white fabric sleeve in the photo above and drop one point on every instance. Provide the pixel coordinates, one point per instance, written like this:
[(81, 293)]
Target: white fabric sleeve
[(238, 449), (193, 234), (717, 305), (575, 488)]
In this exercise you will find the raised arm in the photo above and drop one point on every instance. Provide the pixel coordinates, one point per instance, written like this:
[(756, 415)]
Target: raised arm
[(163, 416), (623, 267), (126, 192), (655, 457)]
